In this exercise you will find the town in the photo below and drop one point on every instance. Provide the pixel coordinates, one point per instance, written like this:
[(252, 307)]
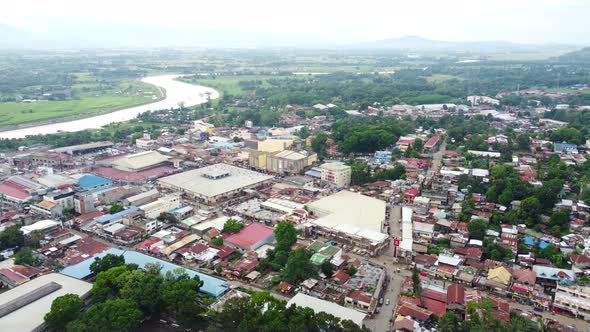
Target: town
[(441, 226)]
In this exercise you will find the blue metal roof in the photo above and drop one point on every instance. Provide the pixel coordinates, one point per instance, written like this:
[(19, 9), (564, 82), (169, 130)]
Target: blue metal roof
[(529, 241), (93, 181), (211, 285), (544, 244), (110, 217)]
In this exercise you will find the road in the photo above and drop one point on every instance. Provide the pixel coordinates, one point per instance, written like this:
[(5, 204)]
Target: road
[(580, 324), (437, 159)]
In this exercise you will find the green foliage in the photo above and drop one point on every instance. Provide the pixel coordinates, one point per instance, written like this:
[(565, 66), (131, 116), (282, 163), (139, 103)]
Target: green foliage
[(417, 283), (117, 315), (529, 211), (26, 256), (477, 229), (106, 262), (299, 267), (232, 226), (367, 135), (218, 241), (351, 270), (523, 142), (285, 235), (319, 144), (64, 309), (553, 254), (180, 295), (568, 135), (11, 237), (467, 208), (116, 208), (167, 218), (327, 269), (492, 250), (418, 144)]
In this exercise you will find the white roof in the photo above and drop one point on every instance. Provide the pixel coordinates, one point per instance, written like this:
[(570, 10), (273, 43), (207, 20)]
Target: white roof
[(423, 227), (332, 308), (346, 207), (39, 226), (480, 172), (224, 178), (140, 160), (334, 166), (421, 200), (30, 317), (449, 260), (114, 228), (291, 155)]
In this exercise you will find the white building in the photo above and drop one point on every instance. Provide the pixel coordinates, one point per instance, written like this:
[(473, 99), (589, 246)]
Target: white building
[(45, 226), (163, 204), (573, 299), (318, 305), (335, 173)]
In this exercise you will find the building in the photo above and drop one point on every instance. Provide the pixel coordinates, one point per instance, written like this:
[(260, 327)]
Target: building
[(163, 204), (565, 148), (250, 237), (84, 202), (214, 184), (45, 226), (142, 198), (382, 156), (93, 182), (350, 218), (476, 100), (575, 300), (23, 308), (432, 144), (85, 148), (336, 174), (140, 161), (289, 161), (318, 305)]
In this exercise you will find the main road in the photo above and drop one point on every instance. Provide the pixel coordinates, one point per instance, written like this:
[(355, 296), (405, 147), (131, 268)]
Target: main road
[(177, 94)]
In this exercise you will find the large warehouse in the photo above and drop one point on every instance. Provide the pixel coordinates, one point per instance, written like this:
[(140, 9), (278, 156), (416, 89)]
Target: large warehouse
[(350, 218), (213, 184)]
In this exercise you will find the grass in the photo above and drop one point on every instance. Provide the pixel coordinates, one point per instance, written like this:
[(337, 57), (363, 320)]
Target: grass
[(89, 97), (526, 56)]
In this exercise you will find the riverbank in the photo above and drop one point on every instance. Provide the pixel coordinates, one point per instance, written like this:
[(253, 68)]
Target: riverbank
[(176, 93), (81, 116)]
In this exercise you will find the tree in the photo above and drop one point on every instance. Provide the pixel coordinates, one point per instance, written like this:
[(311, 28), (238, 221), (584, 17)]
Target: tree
[(327, 269), (319, 144), (153, 268), (417, 283), (25, 256), (232, 226), (117, 315), (477, 229), (529, 211), (116, 208), (298, 267), (108, 283), (180, 295), (11, 237), (143, 289), (167, 218), (285, 235), (218, 241), (106, 262), (418, 144), (64, 309), (524, 142), (467, 208), (449, 322), (351, 270)]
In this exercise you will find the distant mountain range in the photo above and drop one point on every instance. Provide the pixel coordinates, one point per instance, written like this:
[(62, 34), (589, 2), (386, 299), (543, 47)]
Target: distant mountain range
[(582, 55), (416, 43), (84, 33)]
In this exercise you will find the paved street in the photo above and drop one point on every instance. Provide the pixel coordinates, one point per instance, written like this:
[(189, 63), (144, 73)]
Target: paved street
[(580, 324)]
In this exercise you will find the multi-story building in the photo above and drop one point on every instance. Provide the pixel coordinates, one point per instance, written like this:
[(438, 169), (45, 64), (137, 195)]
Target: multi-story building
[(575, 300), (163, 204), (337, 174)]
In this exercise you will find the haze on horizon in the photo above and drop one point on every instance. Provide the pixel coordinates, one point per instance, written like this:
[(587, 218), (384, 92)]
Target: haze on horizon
[(295, 23)]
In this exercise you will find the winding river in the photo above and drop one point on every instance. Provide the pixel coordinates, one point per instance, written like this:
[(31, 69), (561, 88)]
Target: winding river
[(177, 93)]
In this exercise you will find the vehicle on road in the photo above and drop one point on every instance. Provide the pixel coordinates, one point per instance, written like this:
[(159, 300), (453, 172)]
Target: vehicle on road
[(387, 302)]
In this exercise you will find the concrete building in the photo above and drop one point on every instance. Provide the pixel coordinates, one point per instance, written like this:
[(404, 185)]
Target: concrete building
[(350, 218), (318, 305), (142, 198), (23, 308), (140, 161), (336, 174), (85, 148), (163, 204), (575, 300), (214, 184), (45, 226), (250, 237)]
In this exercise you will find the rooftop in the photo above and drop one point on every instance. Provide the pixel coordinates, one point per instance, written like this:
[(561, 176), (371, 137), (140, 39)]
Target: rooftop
[(250, 235), (140, 160), (348, 208), (332, 308), (215, 180), (30, 316)]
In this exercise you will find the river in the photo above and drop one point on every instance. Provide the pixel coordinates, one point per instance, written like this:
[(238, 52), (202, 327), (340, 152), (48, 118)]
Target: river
[(176, 93)]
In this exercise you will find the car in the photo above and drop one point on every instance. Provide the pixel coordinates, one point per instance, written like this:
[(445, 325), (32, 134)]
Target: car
[(381, 301), (387, 302)]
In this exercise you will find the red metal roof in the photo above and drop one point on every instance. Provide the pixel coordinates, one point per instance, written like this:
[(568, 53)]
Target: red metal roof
[(13, 192), (456, 294), (438, 307), (250, 235)]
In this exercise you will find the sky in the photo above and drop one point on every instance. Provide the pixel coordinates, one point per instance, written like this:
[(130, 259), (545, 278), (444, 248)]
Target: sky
[(522, 21)]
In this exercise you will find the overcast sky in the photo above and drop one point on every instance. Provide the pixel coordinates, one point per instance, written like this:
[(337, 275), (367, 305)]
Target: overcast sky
[(341, 21)]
